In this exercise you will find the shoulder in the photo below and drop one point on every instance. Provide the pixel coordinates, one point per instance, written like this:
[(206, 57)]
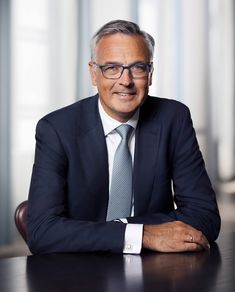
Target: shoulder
[(166, 104), (164, 109), (71, 118), (73, 110)]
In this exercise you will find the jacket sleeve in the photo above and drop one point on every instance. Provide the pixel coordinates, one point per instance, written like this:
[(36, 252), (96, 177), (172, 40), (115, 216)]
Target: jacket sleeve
[(193, 195), (50, 228)]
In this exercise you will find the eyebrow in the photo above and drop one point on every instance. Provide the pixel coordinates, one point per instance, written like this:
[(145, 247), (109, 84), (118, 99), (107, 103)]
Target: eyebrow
[(118, 63), (111, 63)]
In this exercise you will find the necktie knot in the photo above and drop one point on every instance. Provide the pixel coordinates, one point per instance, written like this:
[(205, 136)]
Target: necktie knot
[(124, 131)]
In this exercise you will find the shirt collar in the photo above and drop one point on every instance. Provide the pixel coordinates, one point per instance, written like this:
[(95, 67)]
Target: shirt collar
[(109, 124)]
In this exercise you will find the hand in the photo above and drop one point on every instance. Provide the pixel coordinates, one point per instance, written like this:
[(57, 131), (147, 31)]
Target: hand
[(173, 236)]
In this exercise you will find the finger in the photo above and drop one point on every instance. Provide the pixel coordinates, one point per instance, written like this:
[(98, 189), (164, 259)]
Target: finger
[(198, 238), (186, 247), (192, 246)]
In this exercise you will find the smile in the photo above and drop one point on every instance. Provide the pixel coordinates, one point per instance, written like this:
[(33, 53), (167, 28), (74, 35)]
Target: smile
[(125, 93)]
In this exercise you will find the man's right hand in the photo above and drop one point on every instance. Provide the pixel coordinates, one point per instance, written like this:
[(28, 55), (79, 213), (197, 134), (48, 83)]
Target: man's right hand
[(173, 236)]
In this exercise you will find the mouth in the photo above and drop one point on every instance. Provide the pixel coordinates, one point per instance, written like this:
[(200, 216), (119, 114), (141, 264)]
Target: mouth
[(125, 94)]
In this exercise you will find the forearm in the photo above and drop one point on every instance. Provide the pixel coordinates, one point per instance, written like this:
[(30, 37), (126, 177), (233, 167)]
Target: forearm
[(60, 234)]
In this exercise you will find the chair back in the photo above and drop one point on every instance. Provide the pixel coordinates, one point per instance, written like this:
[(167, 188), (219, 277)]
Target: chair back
[(21, 219)]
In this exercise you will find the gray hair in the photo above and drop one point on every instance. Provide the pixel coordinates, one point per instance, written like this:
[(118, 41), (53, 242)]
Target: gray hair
[(125, 27)]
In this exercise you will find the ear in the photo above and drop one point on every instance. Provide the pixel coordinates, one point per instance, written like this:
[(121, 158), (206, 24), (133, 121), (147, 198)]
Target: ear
[(92, 73), (150, 77)]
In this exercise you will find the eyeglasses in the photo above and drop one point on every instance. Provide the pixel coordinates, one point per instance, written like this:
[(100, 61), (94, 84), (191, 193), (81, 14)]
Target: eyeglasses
[(114, 71)]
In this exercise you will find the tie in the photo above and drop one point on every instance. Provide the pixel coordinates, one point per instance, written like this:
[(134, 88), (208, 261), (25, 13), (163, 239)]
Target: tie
[(121, 185)]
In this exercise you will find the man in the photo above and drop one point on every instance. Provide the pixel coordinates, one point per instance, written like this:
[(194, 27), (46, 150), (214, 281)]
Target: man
[(171, 204)]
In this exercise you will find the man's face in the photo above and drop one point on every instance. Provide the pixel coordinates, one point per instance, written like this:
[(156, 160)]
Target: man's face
[(121, 97)]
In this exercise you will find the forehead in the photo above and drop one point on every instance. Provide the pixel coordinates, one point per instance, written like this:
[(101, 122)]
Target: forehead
[(121, 48)]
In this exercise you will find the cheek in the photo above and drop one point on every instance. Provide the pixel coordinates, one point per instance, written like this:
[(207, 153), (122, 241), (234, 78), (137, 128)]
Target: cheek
[(143, 88), (105, 85)]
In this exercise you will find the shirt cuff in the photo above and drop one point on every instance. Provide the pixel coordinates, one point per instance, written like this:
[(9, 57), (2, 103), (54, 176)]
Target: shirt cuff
[(133, 238)]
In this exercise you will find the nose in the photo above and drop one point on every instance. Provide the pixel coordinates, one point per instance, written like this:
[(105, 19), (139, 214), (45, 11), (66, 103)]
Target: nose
[(126, 78)]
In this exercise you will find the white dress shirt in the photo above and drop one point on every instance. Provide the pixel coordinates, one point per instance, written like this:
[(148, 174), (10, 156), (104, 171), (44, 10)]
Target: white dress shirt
[(134, 232)]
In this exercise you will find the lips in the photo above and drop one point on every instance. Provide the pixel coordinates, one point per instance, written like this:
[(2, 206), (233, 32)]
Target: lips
[(125, 96), (125, 93)]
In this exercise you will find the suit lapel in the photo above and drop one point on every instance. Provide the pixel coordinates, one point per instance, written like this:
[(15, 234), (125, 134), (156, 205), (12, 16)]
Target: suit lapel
[(146, 152), (94, 158)]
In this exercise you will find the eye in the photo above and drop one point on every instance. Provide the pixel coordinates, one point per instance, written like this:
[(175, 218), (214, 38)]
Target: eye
[(139, 67), (112, 68)]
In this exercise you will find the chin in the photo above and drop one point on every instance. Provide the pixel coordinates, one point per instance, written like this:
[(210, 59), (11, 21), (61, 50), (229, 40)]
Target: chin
[(128, 106), (126, 115)]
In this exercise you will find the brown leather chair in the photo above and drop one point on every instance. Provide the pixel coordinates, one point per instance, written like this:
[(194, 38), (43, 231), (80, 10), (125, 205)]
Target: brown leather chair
[(21, 219)]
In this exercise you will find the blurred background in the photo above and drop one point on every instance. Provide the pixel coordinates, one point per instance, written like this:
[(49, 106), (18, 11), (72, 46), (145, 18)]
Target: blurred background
[(44, 51)]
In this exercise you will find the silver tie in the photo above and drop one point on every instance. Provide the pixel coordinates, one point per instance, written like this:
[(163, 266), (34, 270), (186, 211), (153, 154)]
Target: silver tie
[(121, 185)]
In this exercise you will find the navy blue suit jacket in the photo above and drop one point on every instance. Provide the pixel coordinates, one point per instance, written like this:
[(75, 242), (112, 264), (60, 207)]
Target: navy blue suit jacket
[(69, 188)]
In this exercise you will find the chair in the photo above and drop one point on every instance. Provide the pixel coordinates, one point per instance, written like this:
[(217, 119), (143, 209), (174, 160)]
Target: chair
[(21, 219)]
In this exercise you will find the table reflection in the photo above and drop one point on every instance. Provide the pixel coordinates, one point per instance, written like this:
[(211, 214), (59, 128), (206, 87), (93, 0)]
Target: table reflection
[(182, 271), (109, 272)]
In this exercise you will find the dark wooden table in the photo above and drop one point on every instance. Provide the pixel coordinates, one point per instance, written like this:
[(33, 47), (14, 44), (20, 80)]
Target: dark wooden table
[(203, 271)]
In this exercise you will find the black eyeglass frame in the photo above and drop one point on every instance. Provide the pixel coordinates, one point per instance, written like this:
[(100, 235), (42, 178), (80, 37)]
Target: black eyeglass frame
[(148, 66)]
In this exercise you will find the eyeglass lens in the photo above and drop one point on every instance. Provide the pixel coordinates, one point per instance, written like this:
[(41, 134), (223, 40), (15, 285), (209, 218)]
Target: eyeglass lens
[(138, 70)]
